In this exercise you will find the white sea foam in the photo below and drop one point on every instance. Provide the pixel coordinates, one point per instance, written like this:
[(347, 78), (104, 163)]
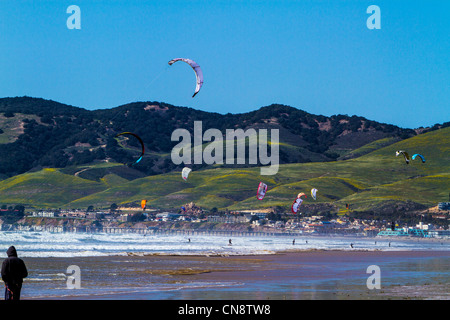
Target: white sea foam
[(46, 244)]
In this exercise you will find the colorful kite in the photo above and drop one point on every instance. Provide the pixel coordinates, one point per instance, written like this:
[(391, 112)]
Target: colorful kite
[(296, 205), (198, 72), (262, 188), (301, 194), (404, 153), (140, 140), (185, 172), (421, 156)]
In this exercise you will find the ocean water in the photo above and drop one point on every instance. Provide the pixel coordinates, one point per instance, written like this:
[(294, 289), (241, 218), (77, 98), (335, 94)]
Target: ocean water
[(136, 266), (46, 244)]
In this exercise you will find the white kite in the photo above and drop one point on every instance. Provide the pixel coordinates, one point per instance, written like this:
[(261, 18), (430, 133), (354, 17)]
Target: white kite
[(198, 72), (262, 188), (314, 192), (185, 172)]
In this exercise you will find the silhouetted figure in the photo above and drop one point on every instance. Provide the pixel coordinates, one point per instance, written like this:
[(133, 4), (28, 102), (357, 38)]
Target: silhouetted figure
[(13, 272)]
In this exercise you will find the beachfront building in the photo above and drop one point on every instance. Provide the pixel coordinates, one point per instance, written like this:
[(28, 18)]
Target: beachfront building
[(421, 232), (73, 213), (167, 216), (445, 234), (392, 233), (109, 216), (46, 214), (125, 217), (260, 215), (313, 227), (228, 219), (275, 224), (184, 218), (370, 231), (95, 215), (424, 226)]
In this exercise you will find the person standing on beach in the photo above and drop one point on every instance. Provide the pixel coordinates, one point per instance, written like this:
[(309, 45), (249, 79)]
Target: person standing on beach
[(13, 272)]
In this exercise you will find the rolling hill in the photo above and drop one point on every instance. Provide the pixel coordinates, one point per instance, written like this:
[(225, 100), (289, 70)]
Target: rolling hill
[(38, 133), (377, 182)]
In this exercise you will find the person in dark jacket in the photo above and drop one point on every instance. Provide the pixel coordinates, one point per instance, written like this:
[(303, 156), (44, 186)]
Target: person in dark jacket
[(13, 272)]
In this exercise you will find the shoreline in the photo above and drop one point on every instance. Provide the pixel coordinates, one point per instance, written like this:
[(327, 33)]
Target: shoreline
[(290, 275), (99, 244)]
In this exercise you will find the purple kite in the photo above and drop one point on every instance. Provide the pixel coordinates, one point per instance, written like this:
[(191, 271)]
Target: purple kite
[(198, 72)]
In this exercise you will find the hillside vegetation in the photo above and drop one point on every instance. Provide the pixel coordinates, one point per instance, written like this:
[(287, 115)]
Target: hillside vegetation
[(38, 133), (377, 181)]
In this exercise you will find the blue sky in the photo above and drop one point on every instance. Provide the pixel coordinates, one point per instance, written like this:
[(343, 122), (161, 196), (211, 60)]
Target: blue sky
[(318, 56)]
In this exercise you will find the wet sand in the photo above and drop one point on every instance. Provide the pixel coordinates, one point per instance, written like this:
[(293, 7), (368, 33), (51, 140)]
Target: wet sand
[(293, 275)]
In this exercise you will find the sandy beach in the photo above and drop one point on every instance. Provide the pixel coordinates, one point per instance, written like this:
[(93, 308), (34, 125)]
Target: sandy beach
[(288, 275)]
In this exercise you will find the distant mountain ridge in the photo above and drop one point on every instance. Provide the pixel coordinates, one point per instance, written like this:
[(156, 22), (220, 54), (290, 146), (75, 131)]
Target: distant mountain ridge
[(38, 133), (58, 156)]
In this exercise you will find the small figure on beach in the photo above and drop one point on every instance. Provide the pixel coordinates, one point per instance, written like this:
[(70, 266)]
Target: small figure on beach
[(229, 242), (13, 272), (189, 240), (293, 242), (307, 241), (389, 244), (351, 245)]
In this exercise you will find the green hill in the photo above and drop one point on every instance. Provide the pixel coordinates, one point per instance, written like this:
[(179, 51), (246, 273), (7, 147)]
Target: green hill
[(375, 180), (36, 133), (364, 182), (46, 188)]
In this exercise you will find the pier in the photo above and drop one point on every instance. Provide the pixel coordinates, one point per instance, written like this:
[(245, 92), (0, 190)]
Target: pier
[(221, 233)]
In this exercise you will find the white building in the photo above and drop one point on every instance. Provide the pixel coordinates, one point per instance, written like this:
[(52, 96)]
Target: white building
[(46, 214), (166, 216)]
